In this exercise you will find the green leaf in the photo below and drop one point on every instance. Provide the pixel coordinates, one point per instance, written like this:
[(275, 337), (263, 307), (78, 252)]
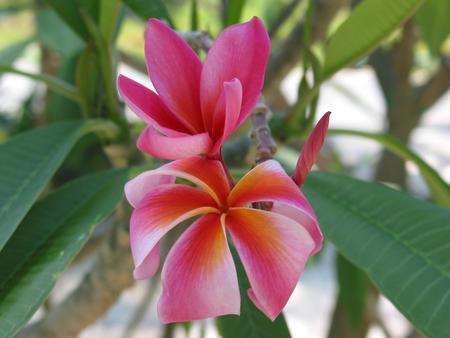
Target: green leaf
[(251, 323), (109, 16), (353, 287), (57, 85), (149, 9), (58, 107), (48, 239), (9, 54), (70, 12), (368, 24), (28, 161), (7, 9), (402, 243), (54, 33), (233, 12), (440, 190), (87, 86), (432, 19), (194, 15)]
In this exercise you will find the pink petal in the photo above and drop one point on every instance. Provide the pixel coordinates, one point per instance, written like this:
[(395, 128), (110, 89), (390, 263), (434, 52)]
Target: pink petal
[(149, 266), (162, 209), (241, 51), (266, 182), (148, 106), (175, 71), (172, 148), (143, 184), (199, 278), (225, 118), (273, 249), (207, 174), (305, 217), (311, 150)]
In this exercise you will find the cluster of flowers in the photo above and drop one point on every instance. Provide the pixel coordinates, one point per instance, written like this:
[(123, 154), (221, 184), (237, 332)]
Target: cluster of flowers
[(197, 106)]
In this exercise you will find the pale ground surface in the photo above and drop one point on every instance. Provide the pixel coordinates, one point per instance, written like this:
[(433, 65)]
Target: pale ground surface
[(309, 308)]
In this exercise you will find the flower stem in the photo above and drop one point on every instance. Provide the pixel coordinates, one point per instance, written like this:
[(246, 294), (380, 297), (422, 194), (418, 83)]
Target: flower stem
[(219, 157)]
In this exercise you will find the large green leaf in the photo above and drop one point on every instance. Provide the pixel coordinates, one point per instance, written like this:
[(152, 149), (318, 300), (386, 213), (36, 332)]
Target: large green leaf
[(48, 239), (58, 107), (251, 323), (432, 19), (55, 84), (369, 23), (109, 17), (440, 190), (149, 9), (401, 242), (71, 12), (9, 54), (54, 33), (28, 161)]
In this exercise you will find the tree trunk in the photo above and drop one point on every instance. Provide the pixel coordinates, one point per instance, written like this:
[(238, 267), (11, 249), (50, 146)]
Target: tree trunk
[(341, 325)]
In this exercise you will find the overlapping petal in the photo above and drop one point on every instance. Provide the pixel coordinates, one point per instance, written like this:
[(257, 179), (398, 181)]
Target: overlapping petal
[(306, 218), (207, 174), (163, 208), (199, 278), (241, 51), (266, 182), (149, 266), (149, 107), (311, 150), (273, 249), (175, 72), (173, 147), (227, 113)]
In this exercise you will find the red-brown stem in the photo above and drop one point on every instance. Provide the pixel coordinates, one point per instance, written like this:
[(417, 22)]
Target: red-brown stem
[(266, 146), (219, 157)]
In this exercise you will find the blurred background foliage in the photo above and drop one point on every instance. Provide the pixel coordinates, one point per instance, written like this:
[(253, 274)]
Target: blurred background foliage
[(72, 50)]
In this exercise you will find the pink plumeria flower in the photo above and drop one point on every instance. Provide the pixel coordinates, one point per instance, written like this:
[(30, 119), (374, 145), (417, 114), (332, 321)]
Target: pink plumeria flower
[(197, 106), (199, 277)]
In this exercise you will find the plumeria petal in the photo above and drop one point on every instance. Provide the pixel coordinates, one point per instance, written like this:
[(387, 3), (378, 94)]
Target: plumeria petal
[(273, 249), (266, 182), (175, 71), (304, 216), (311, 150), (149, 107), (226, 118), (241, 51), (149, 266), (162, 209), (207, 174), (171, 148), (143, 184), (199, 278)]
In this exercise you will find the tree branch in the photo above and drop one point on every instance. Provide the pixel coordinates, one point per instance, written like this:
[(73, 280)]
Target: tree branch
[(288, 54), (142, 307), (284, 15), (197, 39), (266, 146), (99, 289), (437, 86)]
